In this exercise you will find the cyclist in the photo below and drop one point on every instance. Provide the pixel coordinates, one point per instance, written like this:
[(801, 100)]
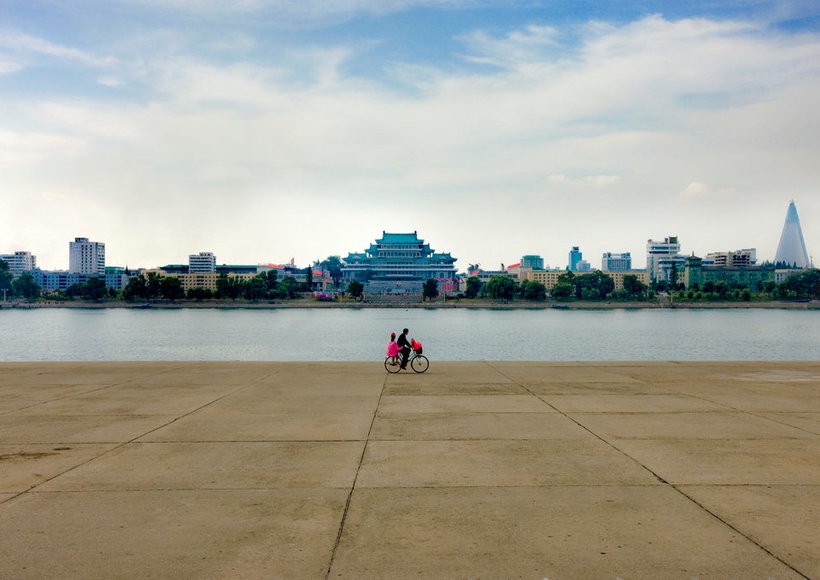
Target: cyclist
[(404, 345)]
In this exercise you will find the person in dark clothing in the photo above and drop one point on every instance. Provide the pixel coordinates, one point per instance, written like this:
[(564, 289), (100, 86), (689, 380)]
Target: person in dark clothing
[(404, 345)]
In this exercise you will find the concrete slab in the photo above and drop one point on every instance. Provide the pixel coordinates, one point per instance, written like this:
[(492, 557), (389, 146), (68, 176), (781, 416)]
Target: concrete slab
[(171, 534), (494, 463), (442, 388), (783, 518), (484, 425), (697, 425), (630, 403), (26, 466), (730, 462), (19, 428), (128, 400), (463, 403), (260, 402), (216, 425), (547, 532), (246, 465)]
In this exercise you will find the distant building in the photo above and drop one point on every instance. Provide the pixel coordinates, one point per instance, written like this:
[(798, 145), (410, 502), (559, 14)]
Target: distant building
[(575, 256), (616, 262), (202, 263), (53, 280), (85, 257), (662, 257), (583, 266), (792, 248), (115, 277), (532, 262), (619, 275), (549, 278), (738, 259), (695, 275), (400, 263), (20, 262)]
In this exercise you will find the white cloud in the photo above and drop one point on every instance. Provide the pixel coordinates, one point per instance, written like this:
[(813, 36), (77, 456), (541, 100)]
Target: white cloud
[(25, 44), (254, 163)]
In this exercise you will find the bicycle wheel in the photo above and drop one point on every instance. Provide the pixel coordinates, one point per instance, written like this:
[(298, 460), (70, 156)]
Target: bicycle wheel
[(420, 363), (392, 367)]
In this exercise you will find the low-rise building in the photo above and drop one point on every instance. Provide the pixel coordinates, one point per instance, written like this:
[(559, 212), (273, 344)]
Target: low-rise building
[(695, 275), (549, 278)]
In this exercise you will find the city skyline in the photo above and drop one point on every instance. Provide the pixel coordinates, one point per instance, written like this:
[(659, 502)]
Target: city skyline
[(277, 129)]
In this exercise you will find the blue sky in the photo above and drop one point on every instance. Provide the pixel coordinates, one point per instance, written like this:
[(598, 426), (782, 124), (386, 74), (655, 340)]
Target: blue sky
[(265, 130)]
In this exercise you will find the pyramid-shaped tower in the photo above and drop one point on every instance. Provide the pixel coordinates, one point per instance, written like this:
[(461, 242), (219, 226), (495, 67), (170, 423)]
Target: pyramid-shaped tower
[(792, 248)]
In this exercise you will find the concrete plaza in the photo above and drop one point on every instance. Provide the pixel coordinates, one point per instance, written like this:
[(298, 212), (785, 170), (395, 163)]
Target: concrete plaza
[(474, 470)]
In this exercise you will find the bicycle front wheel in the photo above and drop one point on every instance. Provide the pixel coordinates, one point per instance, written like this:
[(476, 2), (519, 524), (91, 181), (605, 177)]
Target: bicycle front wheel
[(392, 367), (420, 363)]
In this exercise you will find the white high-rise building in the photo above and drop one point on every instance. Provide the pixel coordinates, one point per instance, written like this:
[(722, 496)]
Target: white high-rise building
[(86, 257), (19, 262), (666, 253), (202, 263), (792, 248)]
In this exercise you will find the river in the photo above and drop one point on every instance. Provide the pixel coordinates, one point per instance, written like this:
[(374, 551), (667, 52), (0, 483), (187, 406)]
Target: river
[(76, 334)]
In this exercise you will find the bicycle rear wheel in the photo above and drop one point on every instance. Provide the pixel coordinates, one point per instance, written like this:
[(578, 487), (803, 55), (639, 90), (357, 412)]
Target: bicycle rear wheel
[(392, 367), (420, 363)]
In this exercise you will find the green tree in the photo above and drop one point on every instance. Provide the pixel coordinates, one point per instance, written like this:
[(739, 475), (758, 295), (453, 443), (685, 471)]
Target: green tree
[(6, 278), (153, 283), (430, 288), (594, 286), (26, 287), (271, 283), (533, 290), (473, 287), (355, 289), (94, 289), (500, 288), (633, 286), (805, 284), (135, 289), (256, 288), (562, 290), (171, 288), (333, 266), (199, 294), (309, 279), (288, 288), (228, 287)]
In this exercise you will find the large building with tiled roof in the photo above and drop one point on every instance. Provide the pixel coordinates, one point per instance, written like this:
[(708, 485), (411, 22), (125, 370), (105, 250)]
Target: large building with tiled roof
[(399, 262)]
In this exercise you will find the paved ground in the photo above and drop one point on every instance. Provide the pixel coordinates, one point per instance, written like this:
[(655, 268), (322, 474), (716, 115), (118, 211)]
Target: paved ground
[(493, 470)]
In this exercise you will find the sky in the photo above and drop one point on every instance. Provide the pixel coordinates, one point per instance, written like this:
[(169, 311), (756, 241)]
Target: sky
[(265, 130)]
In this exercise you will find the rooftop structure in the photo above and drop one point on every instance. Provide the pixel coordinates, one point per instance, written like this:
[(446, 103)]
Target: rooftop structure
[(792, 248), (398, 263)]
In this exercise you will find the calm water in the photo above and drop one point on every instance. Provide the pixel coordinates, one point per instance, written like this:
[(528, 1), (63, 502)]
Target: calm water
[(346, 334)]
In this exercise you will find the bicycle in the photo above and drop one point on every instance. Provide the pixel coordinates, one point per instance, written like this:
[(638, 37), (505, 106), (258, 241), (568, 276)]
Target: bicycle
[(417, 362)]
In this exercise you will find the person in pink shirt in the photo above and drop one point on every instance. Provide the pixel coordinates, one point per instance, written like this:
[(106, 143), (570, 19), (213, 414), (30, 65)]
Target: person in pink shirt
[(393, 348)]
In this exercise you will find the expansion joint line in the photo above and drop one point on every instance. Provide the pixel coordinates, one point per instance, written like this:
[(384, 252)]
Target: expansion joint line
[(654, 474), (355, 480)]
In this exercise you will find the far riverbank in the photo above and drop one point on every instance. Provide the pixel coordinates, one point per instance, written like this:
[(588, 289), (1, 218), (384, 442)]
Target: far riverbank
[(440, 304)]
